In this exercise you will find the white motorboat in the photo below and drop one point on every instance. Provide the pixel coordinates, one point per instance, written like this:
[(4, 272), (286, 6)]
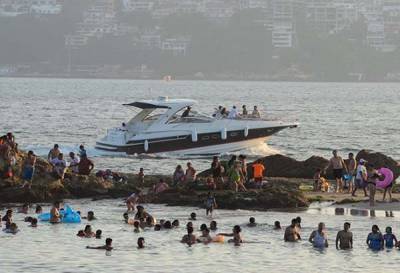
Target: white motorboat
[(160, 127)]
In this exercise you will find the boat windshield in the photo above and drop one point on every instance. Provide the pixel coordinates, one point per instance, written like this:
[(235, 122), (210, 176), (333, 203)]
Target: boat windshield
[(193, 116), (155, 114)]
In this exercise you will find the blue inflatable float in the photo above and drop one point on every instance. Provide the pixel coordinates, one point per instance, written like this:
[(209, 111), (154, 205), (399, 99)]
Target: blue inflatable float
[(68, 215)]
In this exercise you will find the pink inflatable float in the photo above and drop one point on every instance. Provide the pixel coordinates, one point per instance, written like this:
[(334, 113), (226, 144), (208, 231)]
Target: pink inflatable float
[(388, 178)]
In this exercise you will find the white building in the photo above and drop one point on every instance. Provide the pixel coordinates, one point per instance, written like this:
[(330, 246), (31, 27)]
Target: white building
[(283, 30), (178, 46)]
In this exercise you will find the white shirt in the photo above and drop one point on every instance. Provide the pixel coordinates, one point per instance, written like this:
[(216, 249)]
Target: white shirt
[(361, 171), (74, 164), (233, 113)]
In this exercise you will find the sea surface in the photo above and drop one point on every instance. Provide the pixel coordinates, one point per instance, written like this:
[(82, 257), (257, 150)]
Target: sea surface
[(56, 248), (343, 116)]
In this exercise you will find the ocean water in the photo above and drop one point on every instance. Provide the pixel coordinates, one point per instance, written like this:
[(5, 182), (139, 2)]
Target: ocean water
[(342, 116), (56, 248)]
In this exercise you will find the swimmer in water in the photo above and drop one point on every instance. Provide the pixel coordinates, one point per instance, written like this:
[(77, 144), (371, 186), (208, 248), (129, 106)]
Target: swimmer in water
[(24, 209), (137, 229), (107, 246), (318, 237), (157, 227), (8, 218), (193, 216), (344, 238), (389, 238), (34, 222), (126, 217), (98, 234), (237, 237), (80, 233), (88, 232), (90, 216), (55, 216), (375, 239), (140, 243), (175, 223), (291, 233), (205, 236), (167, 225), (277, 225), (252, 222), (189, 238), (38, 209), (189, 224), (213, 225), (13, 229)]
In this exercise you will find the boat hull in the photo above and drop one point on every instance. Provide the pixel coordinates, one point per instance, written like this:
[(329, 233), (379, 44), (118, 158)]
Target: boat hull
[(205, 144)]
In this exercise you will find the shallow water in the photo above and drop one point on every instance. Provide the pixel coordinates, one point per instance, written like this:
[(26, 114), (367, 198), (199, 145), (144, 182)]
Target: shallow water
[(345, 116), (55, 248)]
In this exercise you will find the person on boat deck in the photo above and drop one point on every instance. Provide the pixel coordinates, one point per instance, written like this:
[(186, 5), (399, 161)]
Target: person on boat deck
[(224, 113), (233, 113), (107, 246), (244, 111), (186, 112), (85, 166), (255, 113), (190, 175), (123, 127), (217, 113), (55, 216), (82, 151), (59, 166), (318, 237), (73, 162), (53, 153)]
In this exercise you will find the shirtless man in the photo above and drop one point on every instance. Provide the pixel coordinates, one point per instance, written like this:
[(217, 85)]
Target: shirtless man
[(338, 166), (189, 238), (344, 238), (351, 164), (55, 216), (291, 232)]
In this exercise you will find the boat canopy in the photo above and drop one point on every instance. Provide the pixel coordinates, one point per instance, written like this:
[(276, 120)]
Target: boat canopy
[(162, 102)]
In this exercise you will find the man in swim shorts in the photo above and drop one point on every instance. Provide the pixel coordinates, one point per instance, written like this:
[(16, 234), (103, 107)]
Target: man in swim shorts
[(338, 166), (344, 238)]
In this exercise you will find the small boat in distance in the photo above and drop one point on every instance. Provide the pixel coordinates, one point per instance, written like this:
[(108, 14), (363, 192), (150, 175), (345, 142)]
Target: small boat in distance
[(161, 127)]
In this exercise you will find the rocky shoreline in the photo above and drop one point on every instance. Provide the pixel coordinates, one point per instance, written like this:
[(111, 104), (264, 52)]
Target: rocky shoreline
[(283, 190)]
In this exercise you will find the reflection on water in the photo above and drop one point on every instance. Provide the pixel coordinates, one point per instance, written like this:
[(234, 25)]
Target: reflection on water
[(331, 210), (56, 248)]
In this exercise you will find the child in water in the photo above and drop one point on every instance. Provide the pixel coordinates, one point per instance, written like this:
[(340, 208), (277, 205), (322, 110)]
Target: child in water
[(140, 243), (375, 239), (34, 222), (189, 238), (137, 229), (107, 246), (277, 225), (237, 237), (98, 234), (88, 232), (193, 216), (213, 225), (205, 236), (389, 238)]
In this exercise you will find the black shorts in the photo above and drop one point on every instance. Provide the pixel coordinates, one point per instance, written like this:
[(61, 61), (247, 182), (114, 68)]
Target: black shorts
[(337, 173)]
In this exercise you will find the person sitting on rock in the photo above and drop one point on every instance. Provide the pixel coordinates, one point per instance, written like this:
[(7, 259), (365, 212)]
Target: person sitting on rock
[(59, 166), (160, 187), (74, 162), (85, 166), (53, 153), (190, 175), (178, 176), (28, 169)]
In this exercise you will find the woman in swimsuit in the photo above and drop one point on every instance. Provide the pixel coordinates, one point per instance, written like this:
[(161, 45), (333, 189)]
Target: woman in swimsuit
[(375, 239)]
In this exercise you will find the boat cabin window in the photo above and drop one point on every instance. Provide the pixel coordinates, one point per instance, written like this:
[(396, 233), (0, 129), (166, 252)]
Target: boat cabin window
[(155, 114), (194, 116)]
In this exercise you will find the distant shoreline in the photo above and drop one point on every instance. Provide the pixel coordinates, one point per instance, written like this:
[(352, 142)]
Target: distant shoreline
[(220, 79)]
